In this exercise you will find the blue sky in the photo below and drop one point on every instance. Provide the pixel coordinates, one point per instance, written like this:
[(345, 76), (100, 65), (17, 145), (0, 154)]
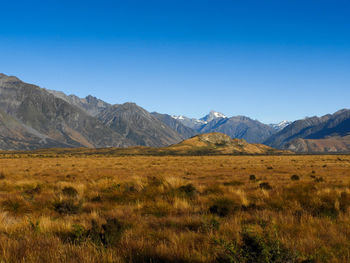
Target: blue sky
[(269, 60)]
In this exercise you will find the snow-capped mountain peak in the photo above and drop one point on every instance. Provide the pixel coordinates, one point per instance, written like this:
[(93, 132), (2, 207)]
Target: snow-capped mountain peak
[(178, 117), (281, 125), (213, 115), (189, 122)]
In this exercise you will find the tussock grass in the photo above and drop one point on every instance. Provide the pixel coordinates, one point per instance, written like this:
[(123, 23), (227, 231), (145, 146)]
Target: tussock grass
[(174, 209)]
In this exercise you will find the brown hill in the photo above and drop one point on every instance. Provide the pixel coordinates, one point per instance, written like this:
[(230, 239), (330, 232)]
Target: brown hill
[(204, 144), (327, 145), (219, 143)]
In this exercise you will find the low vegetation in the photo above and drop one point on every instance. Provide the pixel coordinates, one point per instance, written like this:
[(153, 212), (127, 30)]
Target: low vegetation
[(66, 208)]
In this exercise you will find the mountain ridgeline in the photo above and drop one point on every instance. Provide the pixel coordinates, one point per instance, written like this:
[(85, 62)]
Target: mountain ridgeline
[(32, 117), (329, 133), (240, 127)]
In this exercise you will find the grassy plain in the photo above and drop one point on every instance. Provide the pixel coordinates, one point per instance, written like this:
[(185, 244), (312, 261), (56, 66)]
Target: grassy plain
[(174, 208)]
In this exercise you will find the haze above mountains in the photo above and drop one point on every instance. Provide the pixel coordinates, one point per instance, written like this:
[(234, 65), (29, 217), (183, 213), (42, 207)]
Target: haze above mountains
[(33, 117)]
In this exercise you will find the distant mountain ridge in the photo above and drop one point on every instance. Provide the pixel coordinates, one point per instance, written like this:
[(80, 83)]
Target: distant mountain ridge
[(138, 125), (281, 125), (240, 127), (192, 123), (91, 105), (298, 135), (176, 125), (52, 119), (32, 117)]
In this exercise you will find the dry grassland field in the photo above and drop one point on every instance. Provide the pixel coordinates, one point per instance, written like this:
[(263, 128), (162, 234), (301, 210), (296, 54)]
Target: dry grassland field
[(174, 208)]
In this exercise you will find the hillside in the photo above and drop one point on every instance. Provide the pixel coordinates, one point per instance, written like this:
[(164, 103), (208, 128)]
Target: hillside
[(240, 127), (219, 143), (16, 136), (32, 118), (46, 116), (328, 133), (138, 125), (90, 104), (175, 124), (328, 145)]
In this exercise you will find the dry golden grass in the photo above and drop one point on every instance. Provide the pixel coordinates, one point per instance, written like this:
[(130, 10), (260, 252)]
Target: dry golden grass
[(174, 208)]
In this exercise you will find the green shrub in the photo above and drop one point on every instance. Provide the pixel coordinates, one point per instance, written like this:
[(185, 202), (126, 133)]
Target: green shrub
[(70, 191), (34, 226), (67, 207), (325, 208), (155, 181), (319, 179), (148, 254), (96, 199), (187, 190), (252, 177), (33, 191), (213, 189), (78, 234), (112, 231), (295, 177), (344, 202), (107, 234), (254, 248), (95, 233), (223, 207), (251, 207), (16, 206), (156, 210), (265, 186), (111, 188), (211, 224)]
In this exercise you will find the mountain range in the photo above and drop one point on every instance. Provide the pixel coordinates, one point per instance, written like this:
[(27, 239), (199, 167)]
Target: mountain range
[(329, 133), (32, 117)]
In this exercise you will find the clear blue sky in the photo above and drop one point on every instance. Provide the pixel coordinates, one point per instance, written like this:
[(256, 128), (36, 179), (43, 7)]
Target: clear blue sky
[(269, 60)]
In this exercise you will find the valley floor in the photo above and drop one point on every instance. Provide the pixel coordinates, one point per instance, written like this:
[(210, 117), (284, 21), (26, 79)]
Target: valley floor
[(174, 208)]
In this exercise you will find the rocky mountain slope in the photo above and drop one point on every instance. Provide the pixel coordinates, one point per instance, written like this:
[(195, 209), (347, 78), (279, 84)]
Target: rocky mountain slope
[(32, 117), (280, 126), (175, 124), (138, 125), (91, 105), (328, 133), (17, 136), (191, 123), (328, 145), (240, 127), (49, 117)]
